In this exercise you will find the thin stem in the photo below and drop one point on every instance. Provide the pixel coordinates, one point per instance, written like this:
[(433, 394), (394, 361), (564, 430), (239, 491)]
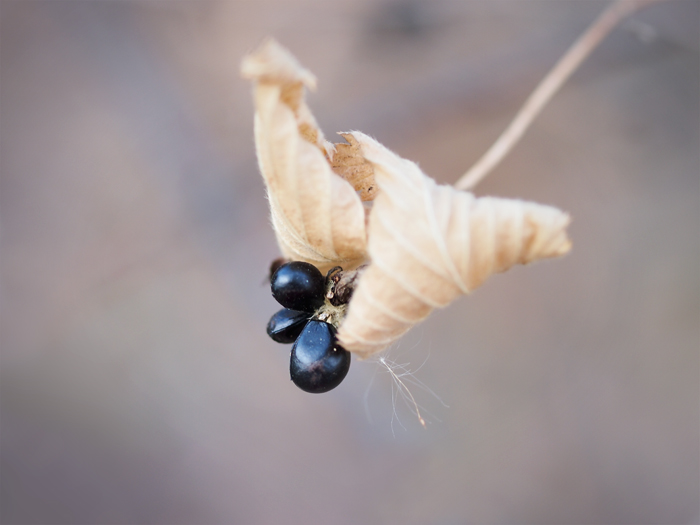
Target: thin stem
[(548, 87)]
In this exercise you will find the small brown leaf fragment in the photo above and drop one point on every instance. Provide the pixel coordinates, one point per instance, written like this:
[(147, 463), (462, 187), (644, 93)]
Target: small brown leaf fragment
[(349, 163)]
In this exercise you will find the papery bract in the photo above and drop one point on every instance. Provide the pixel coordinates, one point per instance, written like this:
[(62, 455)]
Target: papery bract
[(430, 243), (317, 215)]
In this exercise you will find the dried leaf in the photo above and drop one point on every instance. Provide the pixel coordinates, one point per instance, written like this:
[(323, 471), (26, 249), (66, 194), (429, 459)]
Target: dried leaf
[(317, 215), (430, 243)]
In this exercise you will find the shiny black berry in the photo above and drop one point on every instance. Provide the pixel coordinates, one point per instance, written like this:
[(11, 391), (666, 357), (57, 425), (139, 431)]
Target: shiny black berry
[(299, 285), (318, 363), (286, 325)]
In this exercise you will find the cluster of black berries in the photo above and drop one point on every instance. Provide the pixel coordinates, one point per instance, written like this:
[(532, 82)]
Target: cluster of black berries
[(318, 363)]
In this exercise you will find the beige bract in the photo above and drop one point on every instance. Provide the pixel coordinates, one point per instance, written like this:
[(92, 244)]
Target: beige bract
[(317, 215), (427, 244), (430, 243)]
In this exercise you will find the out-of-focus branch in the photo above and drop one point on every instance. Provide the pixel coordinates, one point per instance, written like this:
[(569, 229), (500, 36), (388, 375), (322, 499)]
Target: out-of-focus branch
[(548, 87)]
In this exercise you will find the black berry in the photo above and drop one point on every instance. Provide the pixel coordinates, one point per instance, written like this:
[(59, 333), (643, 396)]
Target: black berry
[(318, 362), (299, 286), (286, 325)]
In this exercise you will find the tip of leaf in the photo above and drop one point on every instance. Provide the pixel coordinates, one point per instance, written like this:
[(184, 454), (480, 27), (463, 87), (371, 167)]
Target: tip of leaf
[(272, 62)]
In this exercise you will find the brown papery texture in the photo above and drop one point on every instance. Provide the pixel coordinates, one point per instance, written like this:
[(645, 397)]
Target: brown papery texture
[(317, 215), (430, 243)]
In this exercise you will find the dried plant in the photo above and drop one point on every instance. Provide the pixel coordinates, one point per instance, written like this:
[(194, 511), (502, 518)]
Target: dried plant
[(359, 203)]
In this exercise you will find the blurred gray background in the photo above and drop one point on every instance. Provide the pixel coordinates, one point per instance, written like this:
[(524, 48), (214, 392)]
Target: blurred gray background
[(138, 385)]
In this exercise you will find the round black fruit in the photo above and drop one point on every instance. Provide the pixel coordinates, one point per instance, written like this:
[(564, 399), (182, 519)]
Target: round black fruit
[(286, 325), (299, 285), (318, 362)]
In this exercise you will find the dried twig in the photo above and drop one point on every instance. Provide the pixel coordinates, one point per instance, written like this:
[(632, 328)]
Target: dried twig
[(548, 87)]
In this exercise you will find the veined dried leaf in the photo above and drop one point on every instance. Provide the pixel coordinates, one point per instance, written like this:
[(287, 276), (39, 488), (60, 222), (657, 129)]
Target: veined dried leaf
[(317, 215), (430, 243)]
